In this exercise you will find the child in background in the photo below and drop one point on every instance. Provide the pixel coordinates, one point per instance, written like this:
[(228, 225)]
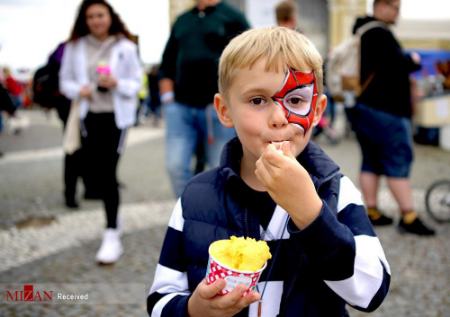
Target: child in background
[(273, 184)]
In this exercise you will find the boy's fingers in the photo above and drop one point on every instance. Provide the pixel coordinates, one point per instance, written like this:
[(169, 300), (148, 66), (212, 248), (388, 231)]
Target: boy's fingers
[(209, 291), (250, 298), (236, 295), (261, 172), (245, 301), (273, 163), (286, 149), (273, 156)]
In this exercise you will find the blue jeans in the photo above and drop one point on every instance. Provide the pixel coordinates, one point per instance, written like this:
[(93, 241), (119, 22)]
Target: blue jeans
[(185, 127)]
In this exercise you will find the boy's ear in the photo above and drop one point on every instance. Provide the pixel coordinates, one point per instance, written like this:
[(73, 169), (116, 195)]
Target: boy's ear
[(223, 110), (321, 105)]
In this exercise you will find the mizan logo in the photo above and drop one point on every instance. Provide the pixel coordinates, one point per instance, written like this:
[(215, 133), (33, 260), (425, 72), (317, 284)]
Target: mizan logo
[(29, 295)]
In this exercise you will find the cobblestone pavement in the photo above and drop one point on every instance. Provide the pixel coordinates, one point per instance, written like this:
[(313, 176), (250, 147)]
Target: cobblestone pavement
[(42, 243)]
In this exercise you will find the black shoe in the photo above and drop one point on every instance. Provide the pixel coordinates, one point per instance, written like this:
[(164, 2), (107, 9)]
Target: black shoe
[(415, 227), (377, 218), (72, 204)]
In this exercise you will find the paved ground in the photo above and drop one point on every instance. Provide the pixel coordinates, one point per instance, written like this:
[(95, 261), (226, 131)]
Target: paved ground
[(44, 244)]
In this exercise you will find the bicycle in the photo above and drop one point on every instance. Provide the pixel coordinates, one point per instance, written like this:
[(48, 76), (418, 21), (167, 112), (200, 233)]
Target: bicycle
[(437, 201)]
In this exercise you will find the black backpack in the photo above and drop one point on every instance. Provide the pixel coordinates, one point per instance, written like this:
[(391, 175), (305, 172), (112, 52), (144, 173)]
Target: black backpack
[(6, 104), (46, 82)]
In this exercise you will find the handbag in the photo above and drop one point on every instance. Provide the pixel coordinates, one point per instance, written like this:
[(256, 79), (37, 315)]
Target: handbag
[(72, 137)]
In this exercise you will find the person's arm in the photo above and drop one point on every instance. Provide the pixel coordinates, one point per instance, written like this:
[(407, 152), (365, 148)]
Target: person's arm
[(170, 295), (67, 82), (413, 61), (344, 249), (347, 251), (381, 50), (289, 184), (129, 82), (166, 90), (170, 292), (394, 52), (167, 70)]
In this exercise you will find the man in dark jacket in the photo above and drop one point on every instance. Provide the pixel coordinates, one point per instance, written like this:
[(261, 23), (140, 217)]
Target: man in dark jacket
[(189, 82), (382, 117)]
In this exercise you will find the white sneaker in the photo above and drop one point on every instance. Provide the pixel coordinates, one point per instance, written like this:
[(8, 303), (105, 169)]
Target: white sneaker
[(111, 248)]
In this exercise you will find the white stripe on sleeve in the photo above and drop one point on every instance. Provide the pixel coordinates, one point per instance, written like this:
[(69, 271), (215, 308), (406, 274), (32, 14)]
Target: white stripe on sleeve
[(176, 219), (348, 194), (168, 280), (159, 306), (276, 226), (360, 289)]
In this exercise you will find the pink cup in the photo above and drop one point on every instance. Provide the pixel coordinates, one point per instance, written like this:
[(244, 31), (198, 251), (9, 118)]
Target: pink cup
[(216, 270), (103, 70)]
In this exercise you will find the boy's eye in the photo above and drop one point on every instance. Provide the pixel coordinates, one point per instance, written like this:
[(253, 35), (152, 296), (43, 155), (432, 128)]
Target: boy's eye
[(299, 100), (258, 101), (294, 101)]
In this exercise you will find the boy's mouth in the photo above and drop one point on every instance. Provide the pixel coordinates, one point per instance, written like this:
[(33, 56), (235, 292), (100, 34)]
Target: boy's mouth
[(278, 144)]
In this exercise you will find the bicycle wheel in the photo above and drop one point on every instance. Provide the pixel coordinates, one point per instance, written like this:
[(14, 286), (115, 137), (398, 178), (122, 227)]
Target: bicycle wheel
[(437, 201)]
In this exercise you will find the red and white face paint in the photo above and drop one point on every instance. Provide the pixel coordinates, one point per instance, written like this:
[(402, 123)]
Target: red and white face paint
[(298, 97)]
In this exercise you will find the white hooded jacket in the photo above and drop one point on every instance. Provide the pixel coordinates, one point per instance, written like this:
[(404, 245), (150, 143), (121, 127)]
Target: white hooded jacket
[(125, 67)]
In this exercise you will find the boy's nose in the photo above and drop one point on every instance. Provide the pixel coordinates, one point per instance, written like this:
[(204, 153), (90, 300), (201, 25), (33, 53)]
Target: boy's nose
[(278, 115)]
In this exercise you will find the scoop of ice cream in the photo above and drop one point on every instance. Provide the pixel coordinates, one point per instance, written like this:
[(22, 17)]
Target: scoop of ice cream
[(243, 254)]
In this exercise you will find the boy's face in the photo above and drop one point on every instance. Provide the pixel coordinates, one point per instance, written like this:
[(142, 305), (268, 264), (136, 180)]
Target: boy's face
[(260, 106)]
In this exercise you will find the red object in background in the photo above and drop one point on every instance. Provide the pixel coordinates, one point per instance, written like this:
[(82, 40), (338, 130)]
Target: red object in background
[(13, 86), (443, 68), (26, 101)]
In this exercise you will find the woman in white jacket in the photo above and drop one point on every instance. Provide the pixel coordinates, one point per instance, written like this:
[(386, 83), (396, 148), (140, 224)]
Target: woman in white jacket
[(101, 70)]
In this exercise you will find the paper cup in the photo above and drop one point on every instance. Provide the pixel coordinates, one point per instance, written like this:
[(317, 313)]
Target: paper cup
[(216, 270)]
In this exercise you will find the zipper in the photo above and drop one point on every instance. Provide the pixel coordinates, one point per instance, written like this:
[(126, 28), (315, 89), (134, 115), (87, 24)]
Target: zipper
[(246, 228)]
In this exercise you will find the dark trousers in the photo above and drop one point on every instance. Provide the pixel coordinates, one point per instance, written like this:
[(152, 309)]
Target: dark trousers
[(101, 145), (71, 173)]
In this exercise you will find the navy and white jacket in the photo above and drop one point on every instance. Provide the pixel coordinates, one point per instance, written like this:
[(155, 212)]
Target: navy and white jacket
[(337, 259)]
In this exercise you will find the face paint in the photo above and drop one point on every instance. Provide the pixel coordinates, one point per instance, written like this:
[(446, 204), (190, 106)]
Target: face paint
[(298, 97)]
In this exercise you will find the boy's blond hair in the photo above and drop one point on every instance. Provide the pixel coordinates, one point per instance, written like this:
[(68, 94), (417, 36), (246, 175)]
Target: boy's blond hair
[(279, 46)]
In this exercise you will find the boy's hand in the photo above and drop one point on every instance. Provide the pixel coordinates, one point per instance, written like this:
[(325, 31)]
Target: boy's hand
[(289, 184), (205, 302)]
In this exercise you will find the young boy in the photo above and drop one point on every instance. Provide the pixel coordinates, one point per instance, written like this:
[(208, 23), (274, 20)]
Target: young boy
[(272, 184)]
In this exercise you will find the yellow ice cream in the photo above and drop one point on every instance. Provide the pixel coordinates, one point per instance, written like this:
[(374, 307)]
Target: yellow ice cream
[(243, 254)]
